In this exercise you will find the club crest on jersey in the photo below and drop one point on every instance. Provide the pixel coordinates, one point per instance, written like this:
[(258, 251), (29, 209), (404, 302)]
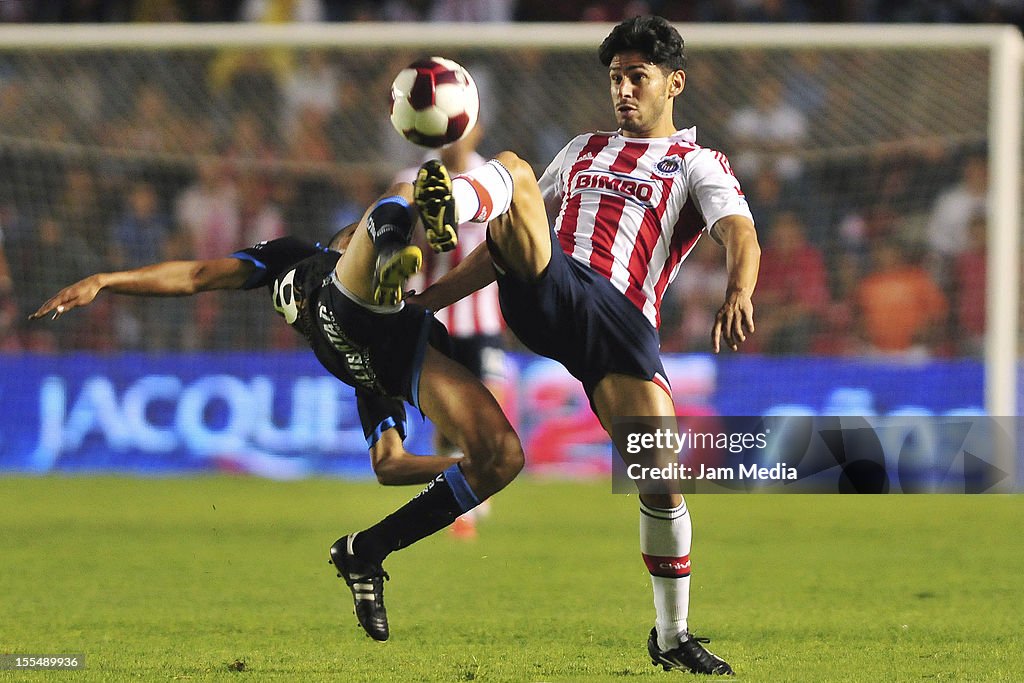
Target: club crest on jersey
[(639, 191), (668, 166)]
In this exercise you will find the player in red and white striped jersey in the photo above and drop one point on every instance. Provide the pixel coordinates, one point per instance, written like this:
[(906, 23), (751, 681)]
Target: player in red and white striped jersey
[(632, 209), (627, 208)]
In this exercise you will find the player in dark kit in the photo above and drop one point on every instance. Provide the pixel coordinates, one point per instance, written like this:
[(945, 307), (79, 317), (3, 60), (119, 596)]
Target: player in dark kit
[(349, 308)]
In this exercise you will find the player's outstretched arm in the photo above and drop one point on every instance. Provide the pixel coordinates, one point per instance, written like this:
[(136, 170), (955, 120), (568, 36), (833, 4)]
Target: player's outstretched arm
[(395, 466), (735, 319), (170, 278), (474, 272)]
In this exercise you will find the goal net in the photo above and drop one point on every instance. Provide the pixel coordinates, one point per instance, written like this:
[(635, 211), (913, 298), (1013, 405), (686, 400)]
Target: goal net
[(881, 164)]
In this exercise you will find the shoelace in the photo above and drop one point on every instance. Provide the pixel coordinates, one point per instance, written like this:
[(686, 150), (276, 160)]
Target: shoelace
[(368, 577), (698, 651)]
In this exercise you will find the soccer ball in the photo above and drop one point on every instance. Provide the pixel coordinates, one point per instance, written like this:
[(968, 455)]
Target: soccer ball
[(434, 102)]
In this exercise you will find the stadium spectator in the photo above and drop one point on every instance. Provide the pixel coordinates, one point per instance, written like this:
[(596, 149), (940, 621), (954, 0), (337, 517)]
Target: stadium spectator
[(251, 142), (547, 10), (8, 306), (863, 226), (587, 293), (141, 235), (792, 289), (207, 214), (246, 324), (309, 141), (82, 212), (838, 333), (609, 10), (53, 251), (773, 197), (151, 125), (15, 106), (472, 10), (79, 11), (16, 11), (772, 11), (207, 210), (312, 85), (250, 80), (523, 99), (376, 140), (260, 219), (768, 132), (78, 97), (902, 309), (212, 11), (695, 296), (842, 121), (156, 11), (282, 11), (952, 212), (399, 10), (807, 83), (969, 286), (6, 282)]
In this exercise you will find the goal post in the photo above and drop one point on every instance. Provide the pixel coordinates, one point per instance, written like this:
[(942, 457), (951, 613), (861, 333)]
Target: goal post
[(1002, 346), (921, 91)]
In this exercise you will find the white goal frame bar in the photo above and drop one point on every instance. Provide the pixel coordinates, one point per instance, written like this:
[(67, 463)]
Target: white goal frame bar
[(1006, 94)]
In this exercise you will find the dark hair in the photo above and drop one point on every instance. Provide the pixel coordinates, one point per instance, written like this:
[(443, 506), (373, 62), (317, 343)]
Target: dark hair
[(651, 36)]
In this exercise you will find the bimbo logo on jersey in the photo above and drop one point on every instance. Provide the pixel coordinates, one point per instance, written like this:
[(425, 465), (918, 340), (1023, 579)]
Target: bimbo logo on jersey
[(625, 186)]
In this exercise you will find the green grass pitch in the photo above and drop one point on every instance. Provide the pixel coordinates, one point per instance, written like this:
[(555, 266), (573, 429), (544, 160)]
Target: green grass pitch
[(176, 579)]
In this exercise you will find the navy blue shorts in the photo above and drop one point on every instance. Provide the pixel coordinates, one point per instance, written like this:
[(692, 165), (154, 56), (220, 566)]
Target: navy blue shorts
[(380, 352), (482, 354), (576, 316)]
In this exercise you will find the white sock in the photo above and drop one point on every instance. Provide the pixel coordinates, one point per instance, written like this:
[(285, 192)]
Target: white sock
[(483, 193), (665, 537)]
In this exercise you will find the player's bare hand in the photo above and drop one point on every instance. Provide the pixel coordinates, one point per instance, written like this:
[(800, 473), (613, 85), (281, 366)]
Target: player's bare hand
[(79, 294), (733, 322)]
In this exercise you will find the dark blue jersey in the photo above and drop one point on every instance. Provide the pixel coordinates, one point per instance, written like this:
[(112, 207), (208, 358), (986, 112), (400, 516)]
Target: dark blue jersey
[(378, 353)]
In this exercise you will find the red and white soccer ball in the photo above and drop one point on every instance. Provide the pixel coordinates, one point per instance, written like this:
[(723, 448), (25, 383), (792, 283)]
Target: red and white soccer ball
[(434, 102)]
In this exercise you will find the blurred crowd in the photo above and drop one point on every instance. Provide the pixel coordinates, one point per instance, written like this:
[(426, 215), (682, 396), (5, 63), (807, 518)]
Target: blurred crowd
[(117, 160), (988, 11)]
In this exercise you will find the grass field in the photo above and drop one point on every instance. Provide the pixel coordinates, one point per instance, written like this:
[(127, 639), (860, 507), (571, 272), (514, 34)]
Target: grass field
[(175, 579)]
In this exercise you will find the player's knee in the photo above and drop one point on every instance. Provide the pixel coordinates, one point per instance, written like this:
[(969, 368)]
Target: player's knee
[(518, 168), (496, 455), (510, 459)]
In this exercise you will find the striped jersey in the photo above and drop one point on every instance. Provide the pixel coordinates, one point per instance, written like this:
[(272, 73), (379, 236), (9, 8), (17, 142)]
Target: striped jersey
[(633, 208), (478, 314)]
